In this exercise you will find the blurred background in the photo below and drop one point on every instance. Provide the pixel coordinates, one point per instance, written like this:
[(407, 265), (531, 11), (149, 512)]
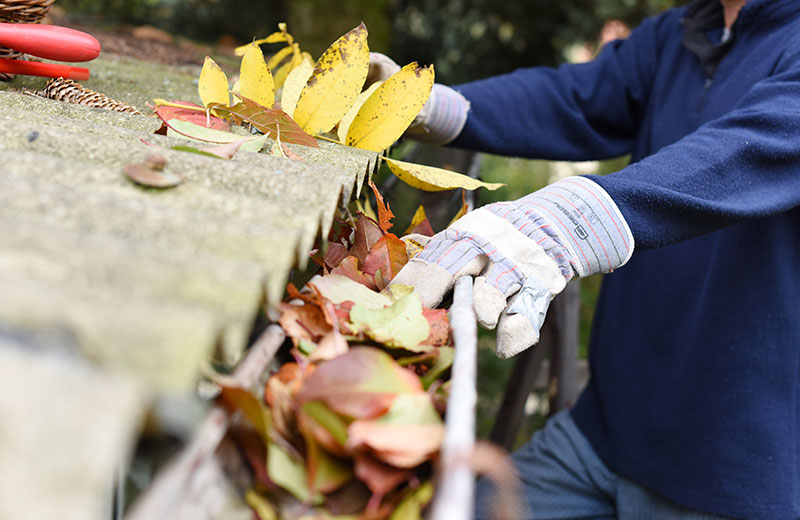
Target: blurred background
[(464, 39)]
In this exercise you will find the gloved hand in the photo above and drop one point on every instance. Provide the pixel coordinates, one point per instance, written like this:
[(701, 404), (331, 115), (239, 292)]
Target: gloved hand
[(440, 120), (523, 253)]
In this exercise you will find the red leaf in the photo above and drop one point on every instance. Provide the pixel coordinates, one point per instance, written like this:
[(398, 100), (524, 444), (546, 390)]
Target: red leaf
[(349, 268), (388, 256), (361, 384), (198, 117), (440, 327), (367, 233), (385, 214), (272, 122)]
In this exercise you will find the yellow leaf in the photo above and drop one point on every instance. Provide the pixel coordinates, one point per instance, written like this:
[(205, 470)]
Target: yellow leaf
[(294, 84), (388, 112), (276, 37), (428, 178), (347, 120), (278, 57), (255, 79), (417, 219), (260, 505), (336, 82), (213, 84), (284, 70)]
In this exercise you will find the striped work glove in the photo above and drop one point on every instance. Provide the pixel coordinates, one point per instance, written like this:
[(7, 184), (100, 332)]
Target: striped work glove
[(523, 253)]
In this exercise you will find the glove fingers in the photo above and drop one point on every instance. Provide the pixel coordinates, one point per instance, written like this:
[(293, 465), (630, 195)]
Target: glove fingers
[(489, 302), (429, 280), (514, 334)]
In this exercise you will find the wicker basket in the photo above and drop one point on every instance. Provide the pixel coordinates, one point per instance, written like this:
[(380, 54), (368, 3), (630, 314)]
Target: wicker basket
[(21, 11)]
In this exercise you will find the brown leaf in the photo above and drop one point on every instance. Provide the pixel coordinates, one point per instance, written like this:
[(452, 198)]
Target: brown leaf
[(272, 122), (367, 233), (385, 214), (388, 256), (144, 176), (349, 268), (303, 322), (380, 478), (420, 224), (362, 383), (335, 254)]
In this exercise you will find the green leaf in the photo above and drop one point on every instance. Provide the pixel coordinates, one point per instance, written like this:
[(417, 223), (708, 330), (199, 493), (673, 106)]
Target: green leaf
[(339, 288), (410, 508), (400, 325), (236, 398), (209, 135), (443, 363), (289, 473), (428, 178), (324, 417), (272, 122)]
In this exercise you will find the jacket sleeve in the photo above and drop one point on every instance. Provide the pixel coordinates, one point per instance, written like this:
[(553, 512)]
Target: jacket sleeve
[(743, 165), (575, 112)]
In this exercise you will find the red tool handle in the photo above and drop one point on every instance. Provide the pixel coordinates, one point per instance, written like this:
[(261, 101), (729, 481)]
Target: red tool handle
[(48, 70), (49, 41)]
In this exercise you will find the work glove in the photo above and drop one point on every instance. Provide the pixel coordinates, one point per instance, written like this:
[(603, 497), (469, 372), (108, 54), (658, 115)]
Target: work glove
[(522, 254), (442, 117)]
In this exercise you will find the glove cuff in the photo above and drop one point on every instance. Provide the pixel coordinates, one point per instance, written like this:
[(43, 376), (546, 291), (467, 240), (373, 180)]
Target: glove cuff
[(586, 222), (442, 118)]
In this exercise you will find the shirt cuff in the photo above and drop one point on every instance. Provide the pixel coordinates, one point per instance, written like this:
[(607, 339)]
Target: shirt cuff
[(587, 223), (442, 118)]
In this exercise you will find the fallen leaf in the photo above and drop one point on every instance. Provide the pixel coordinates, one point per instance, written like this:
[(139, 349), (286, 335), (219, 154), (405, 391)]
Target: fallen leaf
[(325, 473), (339, 289), (279, 56), (410, 508), (444, 360), (260, 505), (420, 224), (284, 70), (349, 268), (379, 477), (255, 79), (428, 178), (389, 111), (237, 398), (440, 327), (388, 255), (335, 83), (227, 150), (347, 120), (167, 110), (410, 433), (328, 427), (276, 37), (335, 254), (289, 473), (330, 346), (213, 84), (202, 134), (385, 214), (192, 149), (401, 325), (362, 384), (367, 234), (269, 121), (144, 176), (303, 322), (293, 86), (462, 210)]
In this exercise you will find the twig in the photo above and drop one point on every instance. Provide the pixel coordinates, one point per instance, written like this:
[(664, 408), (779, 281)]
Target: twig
[(179, 484), (455, 494)]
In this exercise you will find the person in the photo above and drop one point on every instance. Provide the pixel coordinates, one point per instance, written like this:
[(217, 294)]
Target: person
[(693, 405)]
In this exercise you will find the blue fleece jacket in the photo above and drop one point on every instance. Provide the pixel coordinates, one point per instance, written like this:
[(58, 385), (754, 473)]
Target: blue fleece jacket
[(695, 351)]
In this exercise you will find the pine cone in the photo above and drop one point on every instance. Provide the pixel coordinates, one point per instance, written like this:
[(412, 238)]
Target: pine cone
[(69, 91)]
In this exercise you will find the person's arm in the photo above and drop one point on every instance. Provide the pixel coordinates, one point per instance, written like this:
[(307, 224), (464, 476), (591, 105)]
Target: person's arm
[(575, 112), (744, 165)]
